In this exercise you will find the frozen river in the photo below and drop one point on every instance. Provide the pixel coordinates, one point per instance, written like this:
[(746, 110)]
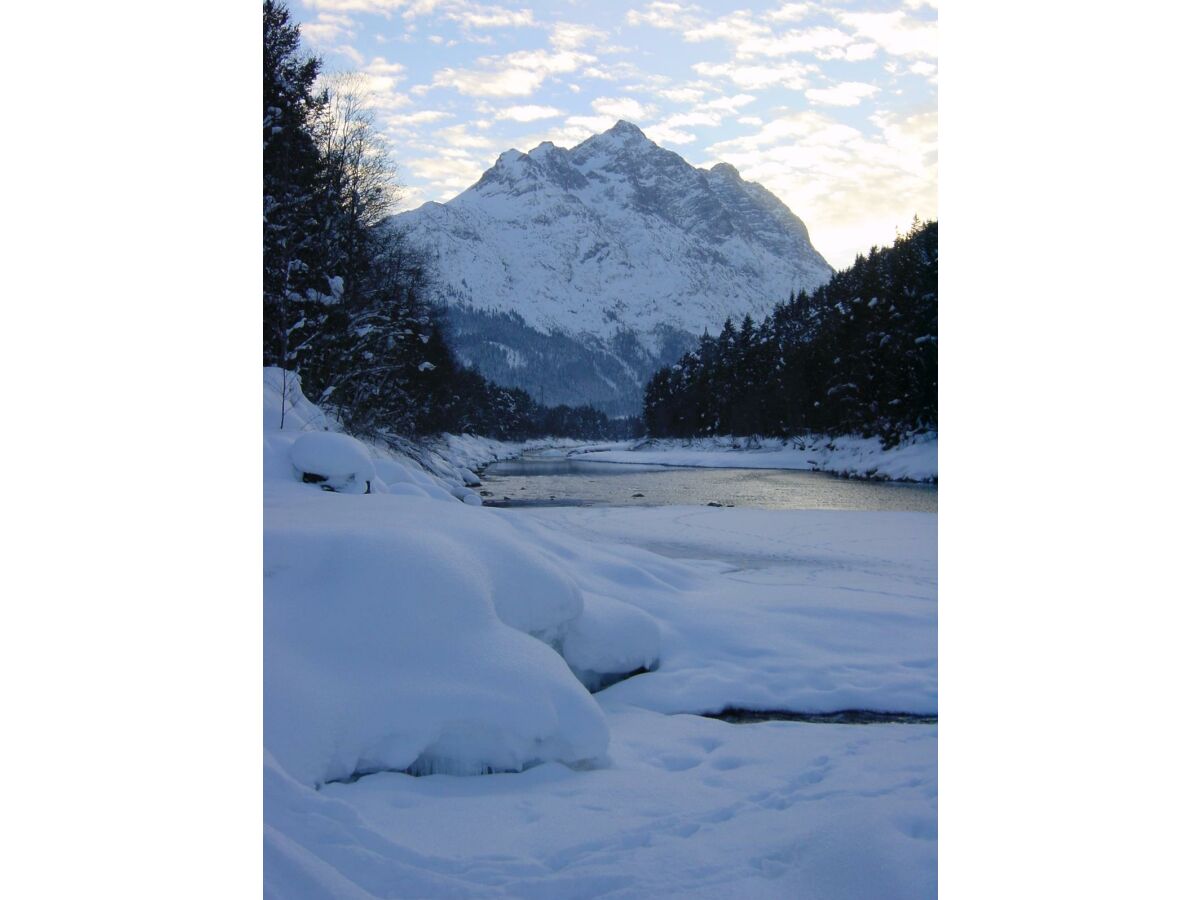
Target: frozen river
[(532, 481)]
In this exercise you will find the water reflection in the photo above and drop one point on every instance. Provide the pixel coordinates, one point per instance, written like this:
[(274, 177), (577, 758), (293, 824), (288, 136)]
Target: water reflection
[(580, 482)]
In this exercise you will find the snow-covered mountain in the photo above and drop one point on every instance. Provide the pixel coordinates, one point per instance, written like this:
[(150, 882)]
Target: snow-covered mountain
[(576, 273)]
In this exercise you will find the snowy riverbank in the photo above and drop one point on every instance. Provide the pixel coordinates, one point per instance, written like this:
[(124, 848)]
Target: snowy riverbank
[(413, 642), (853, 457)]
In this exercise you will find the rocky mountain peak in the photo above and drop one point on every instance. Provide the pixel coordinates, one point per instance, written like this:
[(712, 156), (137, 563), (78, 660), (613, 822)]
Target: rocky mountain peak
[(616, 244)]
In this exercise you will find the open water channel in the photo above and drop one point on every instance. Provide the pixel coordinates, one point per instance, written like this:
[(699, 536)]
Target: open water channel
[(571, 481)]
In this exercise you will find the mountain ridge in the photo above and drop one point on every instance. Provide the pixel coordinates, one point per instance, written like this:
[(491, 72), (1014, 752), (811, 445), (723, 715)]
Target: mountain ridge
[(618, 249)]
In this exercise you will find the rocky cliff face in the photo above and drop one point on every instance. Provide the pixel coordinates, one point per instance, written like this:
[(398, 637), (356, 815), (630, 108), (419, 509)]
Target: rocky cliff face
[(574, 274)]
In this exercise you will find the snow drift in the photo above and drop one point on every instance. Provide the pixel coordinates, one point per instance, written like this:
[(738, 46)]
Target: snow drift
[(407, 631)]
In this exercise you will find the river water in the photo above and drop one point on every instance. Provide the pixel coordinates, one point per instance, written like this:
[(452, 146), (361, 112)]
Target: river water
[(530, 481)]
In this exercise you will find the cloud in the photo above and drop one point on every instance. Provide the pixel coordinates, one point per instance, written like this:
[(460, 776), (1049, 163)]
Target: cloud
[(658, 14), (421, 117), (809, 40), (570, 36), (790, 12), (478, 16), (852, 187), (380, 66), (350, 53), (327, 30), (754, 77), (924, 69), (623, 108), (448, 172), (728, 104), (737, 28), (691, 118), (897, 33), (848, 93), (517, 74), (859, 52), (683, 94), (378, 7), (661, 134), (457, 137), (528, 113), (507, 83)]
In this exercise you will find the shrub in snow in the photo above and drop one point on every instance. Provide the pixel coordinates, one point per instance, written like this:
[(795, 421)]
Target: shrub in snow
[(284, 405), (337, 462)]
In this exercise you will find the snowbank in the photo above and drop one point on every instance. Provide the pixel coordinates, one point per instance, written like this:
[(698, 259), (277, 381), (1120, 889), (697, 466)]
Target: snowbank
[(804, 610), (690, 808), (335, 461), (384, 650), (852, 457), (403, 630)]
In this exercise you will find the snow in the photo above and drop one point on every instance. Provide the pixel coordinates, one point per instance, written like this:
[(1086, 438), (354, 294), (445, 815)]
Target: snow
[(610, 638), (385, 649), (810, 610), (914, 459), (412, 642), (283, 398), (342, 463), (613, 237), (688, 807)]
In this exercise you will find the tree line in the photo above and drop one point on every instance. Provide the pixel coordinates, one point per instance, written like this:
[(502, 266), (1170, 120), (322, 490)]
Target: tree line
[(344, 300), (856, 356)]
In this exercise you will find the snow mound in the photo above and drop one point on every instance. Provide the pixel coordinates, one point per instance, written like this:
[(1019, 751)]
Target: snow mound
[(336, 461), (384, 649), (610, 639)]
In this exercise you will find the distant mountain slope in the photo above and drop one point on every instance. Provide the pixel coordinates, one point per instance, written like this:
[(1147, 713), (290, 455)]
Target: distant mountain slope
[(574, 274)]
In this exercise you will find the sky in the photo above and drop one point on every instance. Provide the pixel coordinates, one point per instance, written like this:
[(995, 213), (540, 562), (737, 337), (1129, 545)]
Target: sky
[(830, 105)]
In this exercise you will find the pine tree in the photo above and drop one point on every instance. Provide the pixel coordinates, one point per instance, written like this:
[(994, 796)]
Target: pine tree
[(295, 280)]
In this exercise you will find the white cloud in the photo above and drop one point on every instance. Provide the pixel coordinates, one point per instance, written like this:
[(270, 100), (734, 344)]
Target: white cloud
[(327, 30), (572, 36), (683, 94), (859, 52), (422, 117), (461, 140), (924, 69), (728, 104), (528, 113), (508, 83), (659, 14), (517, 74), (661, 134), (478, 16), (623, 108), (754, 77), (810, 40), (897, 33), (350, 53), (790, 12), (851, 187), (447, 172), (736, 28), (591, 124), (848, 93), (690, 118)]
